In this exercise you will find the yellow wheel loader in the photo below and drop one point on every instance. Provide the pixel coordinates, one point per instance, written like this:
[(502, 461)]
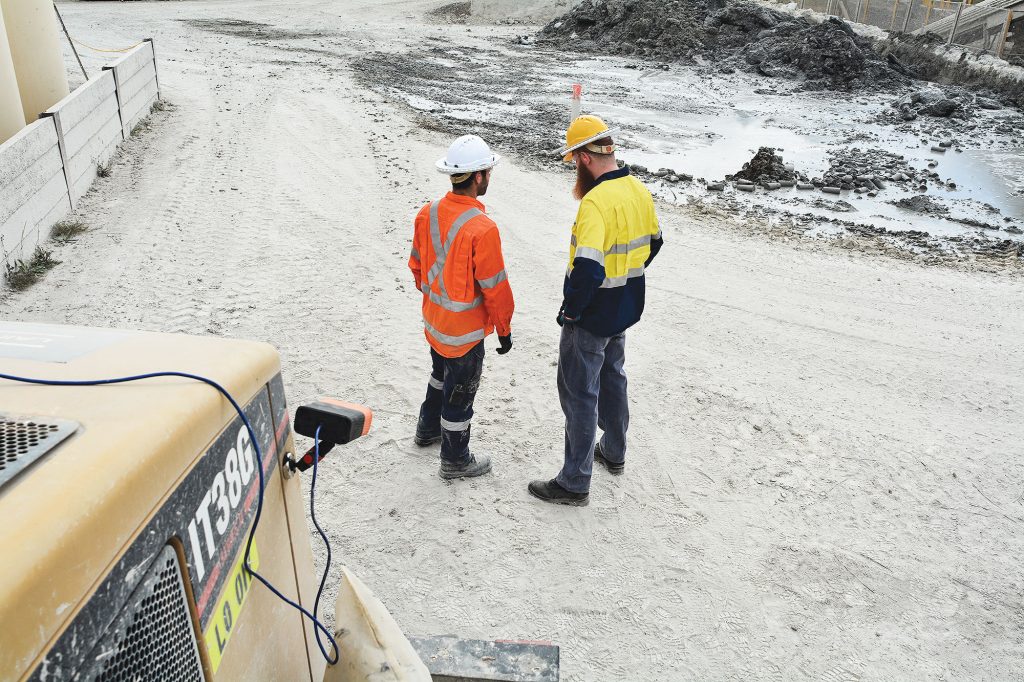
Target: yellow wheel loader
[(153, 527)]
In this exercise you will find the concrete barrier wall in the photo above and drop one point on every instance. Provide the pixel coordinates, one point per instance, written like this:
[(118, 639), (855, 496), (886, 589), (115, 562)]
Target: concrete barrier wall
[(89, 126), (50, 164), (137, 85), (33, 190)]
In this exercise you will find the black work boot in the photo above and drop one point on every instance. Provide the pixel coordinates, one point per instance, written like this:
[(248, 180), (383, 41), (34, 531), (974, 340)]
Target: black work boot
[(550, 491), (425, 439), (426, 436), (477, 466), (612, 467)]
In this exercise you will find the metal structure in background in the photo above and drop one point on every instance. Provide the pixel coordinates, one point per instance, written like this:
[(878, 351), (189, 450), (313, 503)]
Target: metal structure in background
[(1006, 41), (70, 42), (989, 26), (956, 22)]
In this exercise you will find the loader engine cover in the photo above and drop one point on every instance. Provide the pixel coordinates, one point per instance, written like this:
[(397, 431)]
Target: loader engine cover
[(127, 508)]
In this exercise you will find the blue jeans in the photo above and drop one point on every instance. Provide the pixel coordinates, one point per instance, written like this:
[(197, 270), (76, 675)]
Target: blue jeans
[(592, 390), (448, 407)]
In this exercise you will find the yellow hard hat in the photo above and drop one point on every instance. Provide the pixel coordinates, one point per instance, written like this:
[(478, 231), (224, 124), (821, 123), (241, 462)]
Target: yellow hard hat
[(582, 132)]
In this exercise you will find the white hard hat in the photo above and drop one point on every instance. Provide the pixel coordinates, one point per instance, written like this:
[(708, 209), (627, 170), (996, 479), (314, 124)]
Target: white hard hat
[(467, 154)]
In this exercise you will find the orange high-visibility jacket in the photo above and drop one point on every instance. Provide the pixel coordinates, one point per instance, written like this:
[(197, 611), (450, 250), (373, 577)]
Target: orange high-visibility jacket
[(457, 262)]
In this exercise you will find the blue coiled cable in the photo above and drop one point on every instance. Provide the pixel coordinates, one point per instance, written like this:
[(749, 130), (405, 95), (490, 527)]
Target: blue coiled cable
[(317, 625)]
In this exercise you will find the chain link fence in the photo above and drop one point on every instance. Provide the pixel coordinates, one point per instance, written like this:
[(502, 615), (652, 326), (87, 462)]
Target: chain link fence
[(975, 26)]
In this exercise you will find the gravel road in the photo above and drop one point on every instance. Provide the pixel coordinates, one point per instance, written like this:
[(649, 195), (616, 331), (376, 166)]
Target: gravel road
[(824, 478)]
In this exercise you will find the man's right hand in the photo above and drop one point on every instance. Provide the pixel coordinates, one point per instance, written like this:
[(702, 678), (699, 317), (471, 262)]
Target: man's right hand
[(506, 344)]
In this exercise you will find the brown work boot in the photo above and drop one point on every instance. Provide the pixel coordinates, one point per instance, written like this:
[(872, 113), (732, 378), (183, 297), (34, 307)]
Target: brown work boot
[(550, 491)]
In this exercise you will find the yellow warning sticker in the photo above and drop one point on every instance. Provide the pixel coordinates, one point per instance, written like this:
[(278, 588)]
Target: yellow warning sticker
[(229, 607)]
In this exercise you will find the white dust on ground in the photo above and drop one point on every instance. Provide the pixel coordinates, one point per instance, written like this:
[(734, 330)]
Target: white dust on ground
[(824, 479)]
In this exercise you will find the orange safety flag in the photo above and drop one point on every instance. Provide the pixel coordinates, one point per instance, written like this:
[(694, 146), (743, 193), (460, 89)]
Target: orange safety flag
[(457, 262)]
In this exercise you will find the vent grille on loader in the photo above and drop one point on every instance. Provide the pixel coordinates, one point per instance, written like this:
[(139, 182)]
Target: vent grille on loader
[(23, 440), (152, 638)]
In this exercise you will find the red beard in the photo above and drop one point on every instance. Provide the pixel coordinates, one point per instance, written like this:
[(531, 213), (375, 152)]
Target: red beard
[(585, 181)]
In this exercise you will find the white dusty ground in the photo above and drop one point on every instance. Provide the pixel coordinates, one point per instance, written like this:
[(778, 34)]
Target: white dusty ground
[(825, 477)]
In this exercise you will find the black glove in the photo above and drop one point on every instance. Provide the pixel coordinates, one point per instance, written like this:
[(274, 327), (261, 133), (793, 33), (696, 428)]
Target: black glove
[(506, 344), (562, 319)]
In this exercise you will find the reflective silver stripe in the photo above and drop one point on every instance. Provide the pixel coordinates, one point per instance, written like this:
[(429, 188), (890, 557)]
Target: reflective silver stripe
[(447, 303), (492, 282), (436, 383), (440, 285), (456, 306), (590, 254), (435, 270), (435, 229), (415, 253), (612, 282), (466, 216), (637, 243), (454, 426), (478, 335), (435, 240), (640, 241), (460, 307), (441, 250)]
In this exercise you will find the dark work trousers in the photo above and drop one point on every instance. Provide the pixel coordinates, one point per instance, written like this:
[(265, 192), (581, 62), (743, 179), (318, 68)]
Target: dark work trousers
[(592, 390), (448, 407)]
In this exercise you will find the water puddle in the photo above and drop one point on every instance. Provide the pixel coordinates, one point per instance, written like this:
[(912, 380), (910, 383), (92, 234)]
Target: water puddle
[(708, 127), (697, 121)]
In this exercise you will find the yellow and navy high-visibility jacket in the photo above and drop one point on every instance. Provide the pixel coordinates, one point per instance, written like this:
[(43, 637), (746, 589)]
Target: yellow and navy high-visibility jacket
[(614, 239)]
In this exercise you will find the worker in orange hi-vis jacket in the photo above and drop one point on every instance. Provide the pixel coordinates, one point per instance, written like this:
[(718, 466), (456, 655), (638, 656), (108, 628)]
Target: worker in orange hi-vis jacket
[(457, 262)]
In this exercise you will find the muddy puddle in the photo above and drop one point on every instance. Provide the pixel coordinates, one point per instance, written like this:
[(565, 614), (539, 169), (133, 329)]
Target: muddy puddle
[(700, 121), (678, 121)]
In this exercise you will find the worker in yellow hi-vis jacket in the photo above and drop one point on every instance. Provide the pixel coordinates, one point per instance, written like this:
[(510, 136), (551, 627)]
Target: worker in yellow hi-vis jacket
[(614, 239)]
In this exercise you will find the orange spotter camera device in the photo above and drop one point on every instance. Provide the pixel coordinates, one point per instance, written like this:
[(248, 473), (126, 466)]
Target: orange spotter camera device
[(339, 423)]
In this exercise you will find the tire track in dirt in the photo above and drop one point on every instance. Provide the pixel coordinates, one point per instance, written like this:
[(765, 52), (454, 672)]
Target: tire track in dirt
[(789, 491)]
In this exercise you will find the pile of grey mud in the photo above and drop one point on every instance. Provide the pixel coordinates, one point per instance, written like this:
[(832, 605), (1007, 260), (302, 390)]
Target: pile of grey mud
[(734, 34)]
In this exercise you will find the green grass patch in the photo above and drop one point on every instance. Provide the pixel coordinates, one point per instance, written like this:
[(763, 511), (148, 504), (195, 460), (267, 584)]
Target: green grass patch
[(66, 230), (21, 274)]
